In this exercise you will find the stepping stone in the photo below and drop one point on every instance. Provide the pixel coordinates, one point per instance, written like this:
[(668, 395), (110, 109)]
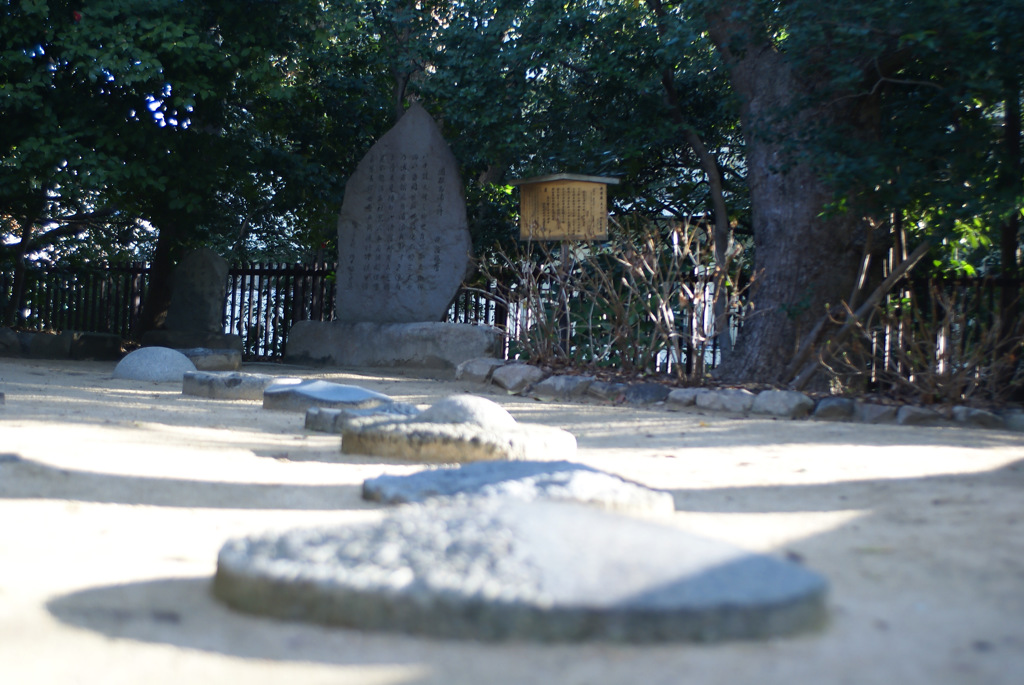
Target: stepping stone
[(158, 364), (456, 429), (469, 409), (230, 385), (522, 480), (299, 395), (500, 569), (451, 443), (327, 420)]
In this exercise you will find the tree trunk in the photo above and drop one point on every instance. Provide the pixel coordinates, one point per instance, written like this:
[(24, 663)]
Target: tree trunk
[(161, 271), (804, 260)]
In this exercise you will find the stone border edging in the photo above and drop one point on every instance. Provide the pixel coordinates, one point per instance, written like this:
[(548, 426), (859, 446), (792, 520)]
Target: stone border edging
[(530, 381)]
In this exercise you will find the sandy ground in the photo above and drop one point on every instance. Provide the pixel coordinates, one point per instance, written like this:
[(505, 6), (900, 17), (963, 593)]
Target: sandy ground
[(115, 497)]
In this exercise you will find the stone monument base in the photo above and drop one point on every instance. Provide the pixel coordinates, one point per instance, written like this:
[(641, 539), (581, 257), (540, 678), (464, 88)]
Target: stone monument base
[(419, 345), (183, 340)]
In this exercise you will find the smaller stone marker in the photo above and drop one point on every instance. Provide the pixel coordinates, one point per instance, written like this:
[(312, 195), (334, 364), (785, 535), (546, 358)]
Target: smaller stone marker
[(528, 481), (500, 569), (198, 293), (195, 316)]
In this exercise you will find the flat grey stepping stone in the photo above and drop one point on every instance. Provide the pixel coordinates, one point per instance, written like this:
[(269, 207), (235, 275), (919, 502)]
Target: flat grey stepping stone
[(328, 420), (522, 480), (499, 569), (457, 429), (230, 385), (448, 443), (158, 364), (479, 411), (303, 394)]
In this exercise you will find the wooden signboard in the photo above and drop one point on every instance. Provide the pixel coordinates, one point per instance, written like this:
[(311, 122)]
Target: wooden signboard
[(563, 207)]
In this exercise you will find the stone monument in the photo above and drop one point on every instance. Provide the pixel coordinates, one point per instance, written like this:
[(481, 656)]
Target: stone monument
[(195, 317), (403, 251), (403, 241)]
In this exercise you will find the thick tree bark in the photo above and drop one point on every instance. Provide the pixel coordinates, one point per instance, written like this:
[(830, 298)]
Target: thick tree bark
[(161, 270), (804, 259)]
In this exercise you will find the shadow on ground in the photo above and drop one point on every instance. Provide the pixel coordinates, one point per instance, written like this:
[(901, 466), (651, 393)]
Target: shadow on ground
[(27, 479)]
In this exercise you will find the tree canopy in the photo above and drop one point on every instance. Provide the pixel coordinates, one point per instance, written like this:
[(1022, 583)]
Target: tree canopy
[(833, 133)]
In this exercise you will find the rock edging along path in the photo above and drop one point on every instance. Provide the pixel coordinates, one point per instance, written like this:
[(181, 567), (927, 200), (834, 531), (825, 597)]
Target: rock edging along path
[(529, 381), (498, 569)]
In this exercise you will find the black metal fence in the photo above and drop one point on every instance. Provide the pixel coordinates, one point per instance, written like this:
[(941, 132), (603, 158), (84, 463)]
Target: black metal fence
[(265, 300), (98, 300)]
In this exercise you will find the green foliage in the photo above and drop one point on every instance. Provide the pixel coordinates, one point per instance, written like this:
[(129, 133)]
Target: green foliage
[(912, 100), (220, 121), (236, 122)]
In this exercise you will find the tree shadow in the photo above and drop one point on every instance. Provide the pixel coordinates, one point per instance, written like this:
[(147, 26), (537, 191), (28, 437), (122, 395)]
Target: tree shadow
[(879, 495), (182, 611), (28, 479), (595, 429)]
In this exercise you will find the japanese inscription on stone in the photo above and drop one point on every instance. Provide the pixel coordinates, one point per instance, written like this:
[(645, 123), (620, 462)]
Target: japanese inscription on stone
[(403, 242)]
